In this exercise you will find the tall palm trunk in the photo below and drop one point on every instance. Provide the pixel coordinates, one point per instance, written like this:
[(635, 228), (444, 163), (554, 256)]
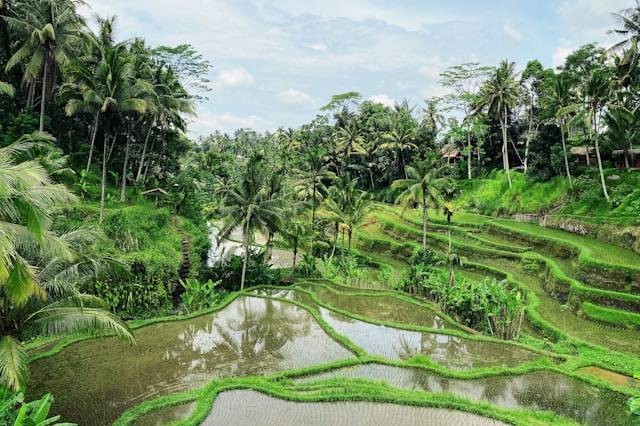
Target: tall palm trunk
[(313, 207), (404, 167), (144, 152), (526, 148), (245, 244), (124, 170), (295, 254), (335, 242), (564, 151), (425, 219), (104, 169), (595, 134), (43, 100), (469, 153), (505, 148), (94, 132), (32, 93)]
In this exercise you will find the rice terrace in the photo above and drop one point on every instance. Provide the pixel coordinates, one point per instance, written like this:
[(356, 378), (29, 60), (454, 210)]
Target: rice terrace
[(265, 212)]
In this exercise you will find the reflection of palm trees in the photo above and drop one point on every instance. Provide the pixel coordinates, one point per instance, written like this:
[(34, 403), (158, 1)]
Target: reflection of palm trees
[(250, 332), (447, 350)]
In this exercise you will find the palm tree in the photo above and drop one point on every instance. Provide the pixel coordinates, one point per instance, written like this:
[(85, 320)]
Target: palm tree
[(498, 95), (433, 119), (596, 94), (168, 101), (350, 140), (622, 127), (246, 204), (423, 188), (39, 270), (558, 98), (629, 21), (347, 207), (298, 234), (53, 28), (399, 140), (114, 88)]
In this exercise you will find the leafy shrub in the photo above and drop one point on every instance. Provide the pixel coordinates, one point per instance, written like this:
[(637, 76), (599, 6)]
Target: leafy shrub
[(198, 296), (307, 267), (15, 411), (229, 271)]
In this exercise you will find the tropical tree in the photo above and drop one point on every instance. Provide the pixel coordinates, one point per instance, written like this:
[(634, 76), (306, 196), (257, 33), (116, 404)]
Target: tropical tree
[(40, 270), (115, 89), (464, 81), (498, 95), (298, 234), (246, 204), (557, 99), (53, 29), (168, 102), (399, 140), (595, 96), (422, 187), (350, 141), (629, 21)]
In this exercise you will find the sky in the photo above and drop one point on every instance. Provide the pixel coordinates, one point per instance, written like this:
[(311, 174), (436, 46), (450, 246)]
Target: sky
[(276, 62)]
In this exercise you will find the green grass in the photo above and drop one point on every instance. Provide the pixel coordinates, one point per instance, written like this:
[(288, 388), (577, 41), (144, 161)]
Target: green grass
[(611, 316), (592, 251)]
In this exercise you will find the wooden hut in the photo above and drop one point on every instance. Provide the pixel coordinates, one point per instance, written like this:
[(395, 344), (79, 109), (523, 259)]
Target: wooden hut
[(451, 154), (627, 158), (586, 155), (156, 193)]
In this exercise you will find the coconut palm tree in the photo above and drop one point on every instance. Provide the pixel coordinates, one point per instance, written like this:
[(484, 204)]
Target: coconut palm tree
[(557, 98), (168, 102), (596, 94), (498, 95), (54, 30), (298, 234), (350, 140), (246, 204), (399, 140), (114, 88), (40, 270), (422, 187), (629, 21), (433, 119)]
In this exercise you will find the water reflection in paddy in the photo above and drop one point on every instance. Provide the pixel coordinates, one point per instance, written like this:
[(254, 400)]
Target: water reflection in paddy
[(95, 381), (540, 390), (385, 308), (451, 351), (261, 410)]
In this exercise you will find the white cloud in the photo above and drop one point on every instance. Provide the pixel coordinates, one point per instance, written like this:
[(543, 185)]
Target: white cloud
[(318, 47), (383, 99), (511, 32), (560, 54), (234, 77), (228, 122), (295, 97)]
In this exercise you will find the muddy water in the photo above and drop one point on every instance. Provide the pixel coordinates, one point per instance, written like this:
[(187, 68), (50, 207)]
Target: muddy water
[(385, 308), (540, 391), (450, 351), (95, 381), (261, 410), (610, 376)]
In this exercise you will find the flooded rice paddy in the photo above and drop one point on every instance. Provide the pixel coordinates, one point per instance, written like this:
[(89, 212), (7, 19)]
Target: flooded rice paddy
[(262, 410), (540, 390), (256, 336), (249, 337)]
